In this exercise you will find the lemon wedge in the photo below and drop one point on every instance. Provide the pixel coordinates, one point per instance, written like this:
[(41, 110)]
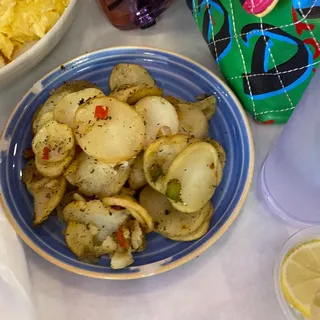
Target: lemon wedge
[(300, 276)]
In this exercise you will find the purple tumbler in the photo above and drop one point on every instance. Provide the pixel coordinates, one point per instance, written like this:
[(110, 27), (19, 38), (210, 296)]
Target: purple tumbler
[(130, 14), (290, 178)]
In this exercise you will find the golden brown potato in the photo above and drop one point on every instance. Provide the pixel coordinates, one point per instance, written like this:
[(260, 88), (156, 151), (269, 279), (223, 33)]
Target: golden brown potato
[(109, 130), (168, 221), (144, 92), (54, 169), (124, 74), (32, 178), (53, 142), (106, 219), (65, 109), (159, 116), (47, 198), (192, 121), (137, 179), (81, 241), (122, 94), (196, 234), (174, 100), (135, 209), (193, 177), (221, 152), (96, 178), (159, 156), (45, 113)]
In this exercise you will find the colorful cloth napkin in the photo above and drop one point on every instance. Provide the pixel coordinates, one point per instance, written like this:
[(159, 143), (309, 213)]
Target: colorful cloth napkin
[(268, 51)]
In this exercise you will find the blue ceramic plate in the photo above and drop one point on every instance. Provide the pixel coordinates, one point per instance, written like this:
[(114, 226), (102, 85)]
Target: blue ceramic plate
[(178, 76)]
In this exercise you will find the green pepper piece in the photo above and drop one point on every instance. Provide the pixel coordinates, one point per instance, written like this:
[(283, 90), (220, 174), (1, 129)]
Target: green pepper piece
[(155, 172), (173, 191)]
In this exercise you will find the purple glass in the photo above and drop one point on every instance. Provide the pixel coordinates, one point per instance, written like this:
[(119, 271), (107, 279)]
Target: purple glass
[(290, 177), (130, 14)]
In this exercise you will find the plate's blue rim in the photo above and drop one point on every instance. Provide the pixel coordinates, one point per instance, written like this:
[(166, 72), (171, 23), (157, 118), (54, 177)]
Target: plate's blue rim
[(161, 266)]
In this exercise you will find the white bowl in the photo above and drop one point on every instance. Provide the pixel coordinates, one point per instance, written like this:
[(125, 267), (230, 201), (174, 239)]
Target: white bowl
[(40, 49)]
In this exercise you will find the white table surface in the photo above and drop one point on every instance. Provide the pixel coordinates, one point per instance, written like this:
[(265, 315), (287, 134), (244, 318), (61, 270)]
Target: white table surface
[(231, 281)]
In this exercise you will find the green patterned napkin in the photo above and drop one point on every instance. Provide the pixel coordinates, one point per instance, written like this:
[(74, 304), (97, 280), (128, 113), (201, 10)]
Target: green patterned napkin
[(268, 58)]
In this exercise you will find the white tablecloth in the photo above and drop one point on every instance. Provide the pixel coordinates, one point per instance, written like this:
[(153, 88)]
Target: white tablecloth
[(231, 281)]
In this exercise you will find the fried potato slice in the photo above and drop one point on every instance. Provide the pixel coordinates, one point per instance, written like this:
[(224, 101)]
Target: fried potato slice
[(67, 198), (127, 191), (196, 234), (54, 169), (221, 156), (96, 178), (122, 94), (41, 118), (175, 101), (168, 221), (135, 209), (120, 260), (117, 137), (137, 236), (144, 92), (159, 156), (47, 198), (32, 178), (221, 152), (73, 86), (81, 241), (193, 177), (57, 138), (124, 74), (192, 121), (137, 179), (208, 106), (105, 218), (79, 238), (65, 109), (159, 116)]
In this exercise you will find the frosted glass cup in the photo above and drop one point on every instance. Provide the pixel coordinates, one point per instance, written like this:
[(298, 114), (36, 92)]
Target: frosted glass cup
[(289, 183)]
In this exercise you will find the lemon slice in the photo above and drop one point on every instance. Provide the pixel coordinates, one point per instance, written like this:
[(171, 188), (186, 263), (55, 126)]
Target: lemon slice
[(300, 276)]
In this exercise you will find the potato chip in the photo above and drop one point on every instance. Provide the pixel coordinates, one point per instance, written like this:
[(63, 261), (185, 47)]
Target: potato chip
[(24, 21)]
